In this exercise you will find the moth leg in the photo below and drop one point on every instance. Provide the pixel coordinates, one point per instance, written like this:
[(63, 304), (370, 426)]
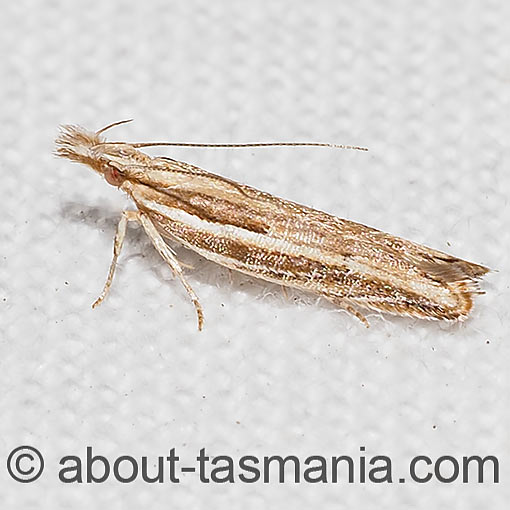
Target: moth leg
[(165, 251), (349, 308), (285, 293), (187, 266), (117, 247), (230, 277), (345, 305)]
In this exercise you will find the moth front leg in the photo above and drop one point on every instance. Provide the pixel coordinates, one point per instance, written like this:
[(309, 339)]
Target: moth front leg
[(165, 251), (117, 247)]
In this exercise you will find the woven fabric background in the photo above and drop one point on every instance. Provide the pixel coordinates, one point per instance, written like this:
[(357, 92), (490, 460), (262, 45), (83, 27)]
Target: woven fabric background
[(425, 85)]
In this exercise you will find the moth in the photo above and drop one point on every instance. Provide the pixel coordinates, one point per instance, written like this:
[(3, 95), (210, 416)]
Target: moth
[(242, 228)]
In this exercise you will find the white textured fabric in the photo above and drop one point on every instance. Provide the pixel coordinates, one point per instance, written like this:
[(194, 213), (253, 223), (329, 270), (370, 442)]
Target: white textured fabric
[(425, 85)]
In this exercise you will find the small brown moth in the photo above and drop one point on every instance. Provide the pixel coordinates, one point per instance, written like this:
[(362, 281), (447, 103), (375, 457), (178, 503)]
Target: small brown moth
[(259, 234)]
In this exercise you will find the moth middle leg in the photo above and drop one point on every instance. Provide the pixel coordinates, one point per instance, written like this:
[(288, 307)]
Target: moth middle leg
[(168, 256)]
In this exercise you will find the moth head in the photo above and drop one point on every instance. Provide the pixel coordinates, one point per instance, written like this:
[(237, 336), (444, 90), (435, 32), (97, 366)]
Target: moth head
[(83, 146)]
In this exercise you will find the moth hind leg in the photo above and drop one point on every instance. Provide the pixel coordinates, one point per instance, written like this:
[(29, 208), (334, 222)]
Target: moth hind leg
[(348, 307)]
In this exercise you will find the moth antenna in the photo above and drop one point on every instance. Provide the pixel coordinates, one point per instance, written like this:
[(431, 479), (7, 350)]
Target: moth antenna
[(242, 145), (113, 124)]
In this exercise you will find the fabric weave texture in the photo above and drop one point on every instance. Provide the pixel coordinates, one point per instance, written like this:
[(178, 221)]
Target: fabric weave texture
[(424, 85)]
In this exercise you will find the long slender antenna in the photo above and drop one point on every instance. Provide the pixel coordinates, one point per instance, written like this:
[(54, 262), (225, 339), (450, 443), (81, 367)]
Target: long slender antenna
[(113, 124), (242, 145), (229, 145)]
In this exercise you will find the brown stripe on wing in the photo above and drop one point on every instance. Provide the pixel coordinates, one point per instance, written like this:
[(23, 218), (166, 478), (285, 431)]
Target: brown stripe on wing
[(258, 260), (214, 209), (333, 281)]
